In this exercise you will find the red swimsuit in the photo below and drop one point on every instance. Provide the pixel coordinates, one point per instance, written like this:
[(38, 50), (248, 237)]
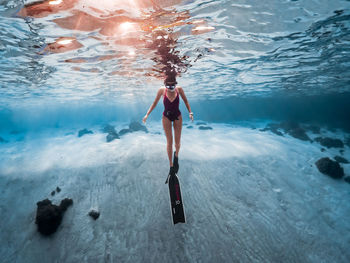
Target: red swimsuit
[(171, 109)]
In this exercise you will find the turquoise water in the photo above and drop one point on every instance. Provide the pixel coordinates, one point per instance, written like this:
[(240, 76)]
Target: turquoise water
[(250, 195), (224, 52)]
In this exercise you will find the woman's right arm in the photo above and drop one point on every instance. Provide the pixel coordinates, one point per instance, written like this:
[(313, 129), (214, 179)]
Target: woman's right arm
[(154, 104)]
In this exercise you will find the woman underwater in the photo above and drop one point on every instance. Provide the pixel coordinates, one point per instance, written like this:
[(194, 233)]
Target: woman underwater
[(171, 115)]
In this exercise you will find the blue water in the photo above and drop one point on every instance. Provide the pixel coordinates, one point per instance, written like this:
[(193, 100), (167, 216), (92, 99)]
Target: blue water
[(250, 196), (251, 50)]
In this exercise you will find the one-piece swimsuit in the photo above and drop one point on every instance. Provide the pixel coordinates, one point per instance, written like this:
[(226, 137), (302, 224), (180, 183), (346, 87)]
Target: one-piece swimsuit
[(171, 108)]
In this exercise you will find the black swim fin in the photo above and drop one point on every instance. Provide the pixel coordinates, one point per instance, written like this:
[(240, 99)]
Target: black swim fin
[(171, 172), (176, 163)]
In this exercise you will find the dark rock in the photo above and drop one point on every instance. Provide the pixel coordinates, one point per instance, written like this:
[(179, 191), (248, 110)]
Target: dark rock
[(94, 214), (276, 131), (65, 203), (341, 151), (299, 133), (15, 132), (124, 131), (83, 132), (273, 127), (340, 159), (189, 127), (253, 128), (323, 149), (289, 125), (184, 124), (58, 189), (112, 136), (109, 129), (2, 139), (201, 123), (49, 216), (136, 126), (205, 128), (329, 167), (314, 129), (347, 179), (53, 193), (329, 142)]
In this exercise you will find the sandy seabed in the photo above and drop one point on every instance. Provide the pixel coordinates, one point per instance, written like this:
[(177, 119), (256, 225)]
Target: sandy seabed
[(249, 196)]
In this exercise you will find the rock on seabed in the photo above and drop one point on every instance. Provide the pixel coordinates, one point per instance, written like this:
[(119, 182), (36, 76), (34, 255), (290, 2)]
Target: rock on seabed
[(329, 167)]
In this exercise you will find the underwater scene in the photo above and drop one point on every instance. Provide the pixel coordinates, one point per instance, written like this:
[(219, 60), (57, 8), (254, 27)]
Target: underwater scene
[(108, 107)]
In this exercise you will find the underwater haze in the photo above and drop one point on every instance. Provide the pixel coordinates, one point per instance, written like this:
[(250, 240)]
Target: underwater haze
[(268, 83)]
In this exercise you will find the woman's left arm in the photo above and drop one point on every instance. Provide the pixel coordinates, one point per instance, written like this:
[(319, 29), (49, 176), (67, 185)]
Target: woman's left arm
[(184, 98)]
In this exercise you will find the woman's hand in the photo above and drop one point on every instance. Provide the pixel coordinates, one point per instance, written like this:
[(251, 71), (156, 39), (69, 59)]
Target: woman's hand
[(191, 116), (145, 118)]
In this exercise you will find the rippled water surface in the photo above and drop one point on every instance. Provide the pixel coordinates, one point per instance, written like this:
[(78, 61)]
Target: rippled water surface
[(68, 50)]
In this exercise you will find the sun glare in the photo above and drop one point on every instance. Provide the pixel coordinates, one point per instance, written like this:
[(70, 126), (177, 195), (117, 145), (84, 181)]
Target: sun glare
[(202, 28), (126, 26), (55, 2), (65, 41)]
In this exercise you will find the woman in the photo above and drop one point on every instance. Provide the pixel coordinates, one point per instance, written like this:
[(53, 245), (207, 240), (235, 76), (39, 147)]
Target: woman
[(171, 115)]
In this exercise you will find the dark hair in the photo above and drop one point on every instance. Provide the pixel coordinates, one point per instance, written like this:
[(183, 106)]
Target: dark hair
[(170, 78)]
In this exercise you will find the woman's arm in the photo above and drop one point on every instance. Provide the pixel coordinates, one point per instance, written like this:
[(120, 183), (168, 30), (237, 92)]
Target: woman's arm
[(154, 104), (184, 98)]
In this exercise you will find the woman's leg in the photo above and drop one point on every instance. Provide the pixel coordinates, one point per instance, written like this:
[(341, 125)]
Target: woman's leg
[(177, 134), (169, 138)]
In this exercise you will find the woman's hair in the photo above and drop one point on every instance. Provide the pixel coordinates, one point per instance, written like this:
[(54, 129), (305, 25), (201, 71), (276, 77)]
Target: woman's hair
[(170, 78)]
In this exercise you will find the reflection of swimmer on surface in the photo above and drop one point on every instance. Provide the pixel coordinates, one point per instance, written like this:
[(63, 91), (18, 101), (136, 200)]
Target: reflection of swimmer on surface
[(131, 29), (62, 44), (45, 8)]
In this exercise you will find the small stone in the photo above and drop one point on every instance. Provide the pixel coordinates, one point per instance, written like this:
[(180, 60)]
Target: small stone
[(109, 129), (323, 149), (53, 193), (58, 189), (83, 132), (65, 203), (205, 128), (136, 126), (347, 179), (94, 214), (124, 131), (201, 123), (189, 127), (112, 136)]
